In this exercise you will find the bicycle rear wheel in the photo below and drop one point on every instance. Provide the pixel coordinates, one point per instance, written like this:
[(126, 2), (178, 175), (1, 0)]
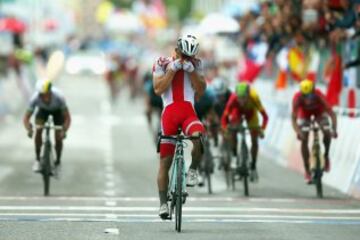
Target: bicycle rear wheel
[(179, 196)]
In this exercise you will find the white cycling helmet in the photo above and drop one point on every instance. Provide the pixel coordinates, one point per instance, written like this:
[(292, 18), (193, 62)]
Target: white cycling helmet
[(188, 45)]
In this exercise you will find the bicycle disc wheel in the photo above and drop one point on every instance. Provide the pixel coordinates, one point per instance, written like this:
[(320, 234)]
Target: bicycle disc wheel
[(178, 207)]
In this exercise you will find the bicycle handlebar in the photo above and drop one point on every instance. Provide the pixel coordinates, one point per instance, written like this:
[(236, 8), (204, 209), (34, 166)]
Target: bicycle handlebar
[(179, 137), (314, 127), (55, 127), (239, 128)]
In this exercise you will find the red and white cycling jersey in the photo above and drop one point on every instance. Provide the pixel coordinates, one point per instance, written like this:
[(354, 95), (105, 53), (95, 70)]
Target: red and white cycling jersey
[(178, 101), (180, 89)]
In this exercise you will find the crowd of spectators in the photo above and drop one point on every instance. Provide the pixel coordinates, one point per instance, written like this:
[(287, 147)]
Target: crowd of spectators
[(325, 27)]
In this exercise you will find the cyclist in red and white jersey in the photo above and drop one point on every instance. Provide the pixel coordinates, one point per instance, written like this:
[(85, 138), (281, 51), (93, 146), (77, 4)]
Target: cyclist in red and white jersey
[(308, 102), (178, 79)]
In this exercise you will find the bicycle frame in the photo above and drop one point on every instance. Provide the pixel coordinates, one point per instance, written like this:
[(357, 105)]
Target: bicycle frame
[(177, 185), (316, 160), (242, 157), (47, 155), (178, 161)]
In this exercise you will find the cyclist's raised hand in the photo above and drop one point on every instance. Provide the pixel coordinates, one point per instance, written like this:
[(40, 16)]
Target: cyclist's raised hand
[(188, 66), (175, 65)]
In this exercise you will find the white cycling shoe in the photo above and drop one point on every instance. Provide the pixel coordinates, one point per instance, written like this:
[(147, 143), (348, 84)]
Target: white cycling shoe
[(164, 211), (233, 162), (57, 171), (36, 167), (192, 178)]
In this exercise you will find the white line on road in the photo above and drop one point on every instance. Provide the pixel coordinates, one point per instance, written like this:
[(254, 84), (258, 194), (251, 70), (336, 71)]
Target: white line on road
[(110, 184), (110, 203), (191, 199), (111, 216), (109, 176), (109, 193), (186, 220), (185, 209), (200, 216)]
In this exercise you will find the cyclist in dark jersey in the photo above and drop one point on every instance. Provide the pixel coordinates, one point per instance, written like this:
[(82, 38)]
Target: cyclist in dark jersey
[(47, 101), (221, 95), (153, 101)]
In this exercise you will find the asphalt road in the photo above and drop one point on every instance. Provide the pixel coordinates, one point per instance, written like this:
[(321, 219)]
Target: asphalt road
[(108, 186)]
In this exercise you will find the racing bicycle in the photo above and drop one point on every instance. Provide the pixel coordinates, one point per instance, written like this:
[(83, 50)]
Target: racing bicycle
[(177, 186)]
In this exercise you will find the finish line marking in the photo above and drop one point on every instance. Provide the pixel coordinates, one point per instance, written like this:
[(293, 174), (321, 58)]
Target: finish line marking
[(199, 216), (186, 220), (185, 209), (156, 199)]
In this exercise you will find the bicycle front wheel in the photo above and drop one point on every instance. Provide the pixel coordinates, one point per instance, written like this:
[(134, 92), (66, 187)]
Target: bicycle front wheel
[(46, 169), (244, 168), (46, 179), (179, 196), (318, 176), (208, 177), (246, 185)]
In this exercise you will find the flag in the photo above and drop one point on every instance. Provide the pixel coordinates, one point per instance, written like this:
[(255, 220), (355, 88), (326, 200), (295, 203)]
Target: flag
[(254, 61), (283, 64), (335, 79)]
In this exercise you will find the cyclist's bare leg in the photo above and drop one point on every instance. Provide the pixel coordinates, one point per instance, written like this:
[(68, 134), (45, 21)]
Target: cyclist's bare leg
[(148, 110), (58, 145), (254, 149), (233, 142), (38, 143), (163, 178), (196, 153), (305, 152)]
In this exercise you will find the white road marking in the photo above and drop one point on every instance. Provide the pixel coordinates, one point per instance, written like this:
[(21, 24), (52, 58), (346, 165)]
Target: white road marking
[(110, 184), (109, 193), (113, 231), (109, 176), (108, 120), (111, 216), (155, 199), (185, 209), (200, 216), (110, 203), (186, 220)]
